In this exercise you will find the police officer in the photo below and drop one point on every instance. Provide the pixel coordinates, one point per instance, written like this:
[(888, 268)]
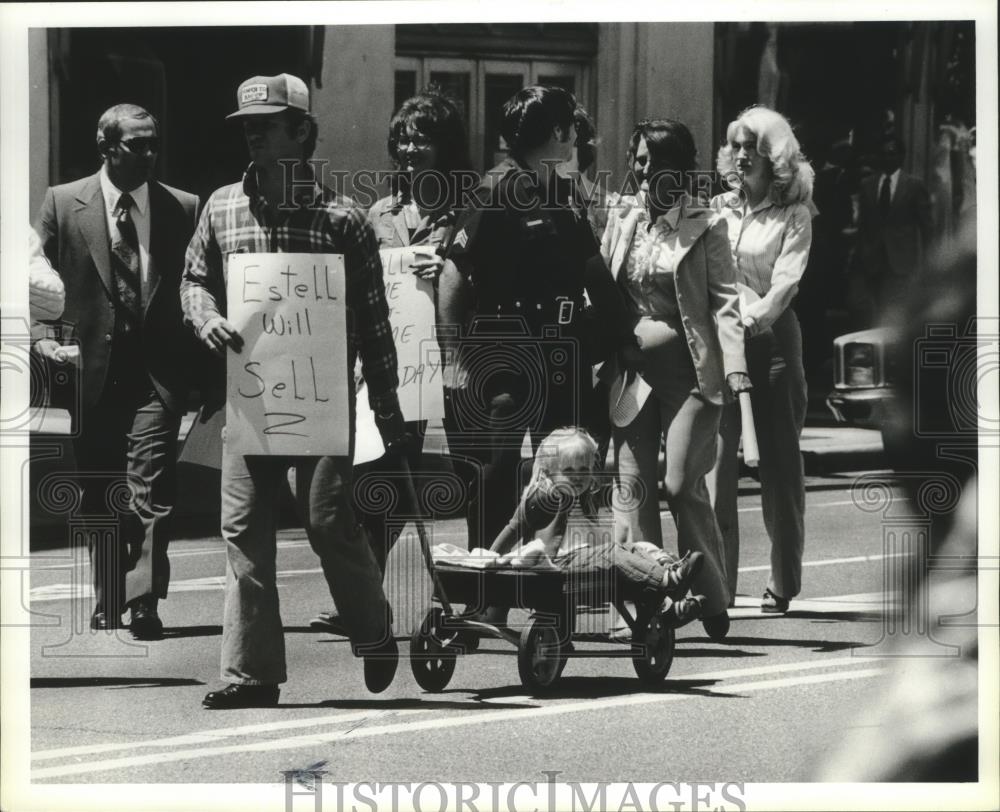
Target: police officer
[(527, 252)]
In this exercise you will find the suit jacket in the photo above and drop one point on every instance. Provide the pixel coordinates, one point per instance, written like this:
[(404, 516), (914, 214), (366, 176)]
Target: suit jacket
[(73, 228), (705, 280), (895, 244)]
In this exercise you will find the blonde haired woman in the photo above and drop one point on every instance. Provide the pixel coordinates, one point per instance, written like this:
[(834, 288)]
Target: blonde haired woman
[(769, 212)]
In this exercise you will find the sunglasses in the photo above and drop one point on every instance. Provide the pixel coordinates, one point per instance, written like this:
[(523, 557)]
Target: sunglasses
[(141, 145), (418, 141)]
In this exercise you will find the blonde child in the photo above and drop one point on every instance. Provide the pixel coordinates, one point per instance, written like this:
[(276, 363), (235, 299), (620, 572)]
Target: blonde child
[(562, 472)]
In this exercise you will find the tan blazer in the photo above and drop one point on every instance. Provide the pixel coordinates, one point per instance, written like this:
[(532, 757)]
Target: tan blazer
[(705, 280)]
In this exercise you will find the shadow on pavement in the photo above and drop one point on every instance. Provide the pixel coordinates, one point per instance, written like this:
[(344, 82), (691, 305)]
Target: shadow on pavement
[(722, 651), (191, 631), (321, 634), (406, 704), (106, 682), (570, 687), (816, 645), (848, 616), (874, 616)]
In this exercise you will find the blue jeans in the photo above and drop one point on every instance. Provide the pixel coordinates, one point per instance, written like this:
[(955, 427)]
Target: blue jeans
[(253, 645), (631, 574)]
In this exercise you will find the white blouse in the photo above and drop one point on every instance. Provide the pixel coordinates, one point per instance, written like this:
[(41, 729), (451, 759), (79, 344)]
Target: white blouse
[(770, 244), (650, 266)]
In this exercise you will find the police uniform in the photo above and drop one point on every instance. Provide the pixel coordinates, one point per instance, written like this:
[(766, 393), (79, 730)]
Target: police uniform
[(524, 248)]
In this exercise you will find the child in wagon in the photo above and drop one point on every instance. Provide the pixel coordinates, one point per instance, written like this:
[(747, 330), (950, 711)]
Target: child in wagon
[(563, 471)]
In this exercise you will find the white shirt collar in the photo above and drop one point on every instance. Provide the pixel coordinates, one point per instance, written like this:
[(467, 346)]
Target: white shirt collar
[(140, 195), (765, 203)]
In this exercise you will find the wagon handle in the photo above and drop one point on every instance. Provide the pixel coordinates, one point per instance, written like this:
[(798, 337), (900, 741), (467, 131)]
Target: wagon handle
[(425, 545)]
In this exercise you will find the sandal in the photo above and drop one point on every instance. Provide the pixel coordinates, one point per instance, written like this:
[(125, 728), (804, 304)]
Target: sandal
[(773, 604)]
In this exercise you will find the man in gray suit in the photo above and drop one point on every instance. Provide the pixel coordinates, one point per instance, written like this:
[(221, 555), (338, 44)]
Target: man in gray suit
[(894, 228), (118, 239)]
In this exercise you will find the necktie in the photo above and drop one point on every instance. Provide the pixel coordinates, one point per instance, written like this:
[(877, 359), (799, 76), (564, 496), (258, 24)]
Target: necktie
[(125, 260), (885, 196)]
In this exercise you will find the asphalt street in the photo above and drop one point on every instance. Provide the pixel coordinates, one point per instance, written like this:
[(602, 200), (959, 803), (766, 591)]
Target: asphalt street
[(766, 705)]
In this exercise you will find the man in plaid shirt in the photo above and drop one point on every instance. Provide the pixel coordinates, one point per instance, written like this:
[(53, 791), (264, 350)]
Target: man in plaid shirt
[(268, 212)]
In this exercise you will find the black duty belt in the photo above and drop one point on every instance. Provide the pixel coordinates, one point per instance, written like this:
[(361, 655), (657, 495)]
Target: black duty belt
[(563, 310)]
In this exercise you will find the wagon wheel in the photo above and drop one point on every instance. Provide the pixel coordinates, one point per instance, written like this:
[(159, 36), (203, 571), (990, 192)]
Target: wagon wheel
[(653, 653), (432, 664), (539, 656)]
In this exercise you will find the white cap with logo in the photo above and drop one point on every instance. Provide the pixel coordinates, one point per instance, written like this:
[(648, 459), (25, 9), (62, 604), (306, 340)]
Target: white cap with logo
[(267, 95)]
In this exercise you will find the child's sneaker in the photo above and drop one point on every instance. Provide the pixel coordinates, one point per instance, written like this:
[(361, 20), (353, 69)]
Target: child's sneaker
[(683, 611), (681, 573)]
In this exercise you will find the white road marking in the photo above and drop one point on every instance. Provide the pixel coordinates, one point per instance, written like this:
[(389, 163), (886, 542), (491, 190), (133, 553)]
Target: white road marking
[(214, 735), (809, 505), (217, 549), (871, 602), (210, 583), (510, 715), (825, 562), (842, 503)]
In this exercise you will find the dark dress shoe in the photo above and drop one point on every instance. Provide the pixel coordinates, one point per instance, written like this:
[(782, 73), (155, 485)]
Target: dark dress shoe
[(328, 622), (332, 623), (101, 621), (146, 623), (380, 666), (242, 696), (717, 626)]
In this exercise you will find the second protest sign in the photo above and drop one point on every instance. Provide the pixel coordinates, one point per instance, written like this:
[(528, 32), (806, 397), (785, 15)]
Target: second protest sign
[(411, 315)]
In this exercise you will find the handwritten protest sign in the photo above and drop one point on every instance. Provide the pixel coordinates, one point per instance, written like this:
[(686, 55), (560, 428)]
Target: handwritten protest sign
[(411, 314), (287, 391)]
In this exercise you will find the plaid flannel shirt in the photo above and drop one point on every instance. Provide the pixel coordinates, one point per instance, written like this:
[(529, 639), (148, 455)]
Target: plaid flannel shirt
[(237, 218)]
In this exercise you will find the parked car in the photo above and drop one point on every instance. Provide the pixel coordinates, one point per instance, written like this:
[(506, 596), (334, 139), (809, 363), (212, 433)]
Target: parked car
[(864, 378)]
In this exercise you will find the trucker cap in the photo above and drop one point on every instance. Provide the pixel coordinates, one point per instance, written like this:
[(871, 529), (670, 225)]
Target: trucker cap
[(266, 95)]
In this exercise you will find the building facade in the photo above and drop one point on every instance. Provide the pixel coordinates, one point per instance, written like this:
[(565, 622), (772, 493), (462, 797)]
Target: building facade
[(834, 80)]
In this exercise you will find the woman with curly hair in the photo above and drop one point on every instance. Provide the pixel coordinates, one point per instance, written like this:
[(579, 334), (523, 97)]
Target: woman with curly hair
[(769, 212), (428, 147)]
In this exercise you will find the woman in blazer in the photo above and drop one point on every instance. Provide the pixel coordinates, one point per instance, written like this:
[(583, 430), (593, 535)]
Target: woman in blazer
[(769, 213), (672, 258)]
